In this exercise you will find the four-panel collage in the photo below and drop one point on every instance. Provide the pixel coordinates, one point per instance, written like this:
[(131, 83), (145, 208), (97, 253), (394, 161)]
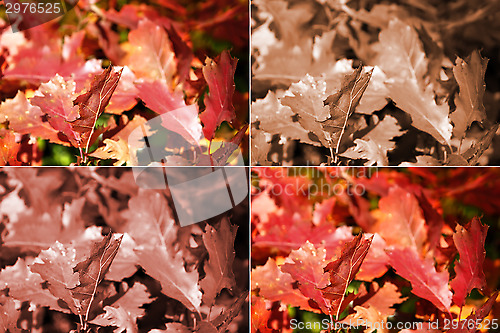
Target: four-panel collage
[(263, 166)]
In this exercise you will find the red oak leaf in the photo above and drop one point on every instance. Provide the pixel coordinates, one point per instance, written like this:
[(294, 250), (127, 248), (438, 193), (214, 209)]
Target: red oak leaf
[(168, 269), (469, 242), (400, 220), (151, 224), (274, 285), (55, 99), (27, 286), (125, 95), (151, 55), (469, 74), (343, 270), (376, 261), (305, 265), (43, 57), (24, 118), (260, 315), (9, 148), (219, 75), (92, 104), (175, 114), (425, 280), (384, 299)]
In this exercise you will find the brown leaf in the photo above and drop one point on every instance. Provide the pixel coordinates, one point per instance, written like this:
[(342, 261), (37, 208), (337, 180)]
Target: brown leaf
[(219, 268), (55, 266), (92, 104), (343, 270), (227, 316), (92, 272), (343, 103), (469, 74)]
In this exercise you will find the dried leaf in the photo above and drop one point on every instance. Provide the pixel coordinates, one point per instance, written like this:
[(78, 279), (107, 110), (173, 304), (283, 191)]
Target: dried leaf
[(343, 103), (227, 316), (343, 270), (473, 154), (92, 104), (384, 299), (92, 272), (114, 150), (371, 318), (116, 316)]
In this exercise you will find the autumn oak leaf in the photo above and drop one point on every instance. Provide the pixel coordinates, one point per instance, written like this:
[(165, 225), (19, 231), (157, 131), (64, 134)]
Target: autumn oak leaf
[(55, 99), (92, 104), (425, 280), (55, 266), (469, 242), (343, 270), (305, 265), (219, 272), (275, 285), (469, 74), (343, 103), (219, 75), (92, 271)]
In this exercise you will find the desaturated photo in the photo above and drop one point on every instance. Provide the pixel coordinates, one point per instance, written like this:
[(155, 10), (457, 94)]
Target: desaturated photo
[(368, 82), (95, 250)]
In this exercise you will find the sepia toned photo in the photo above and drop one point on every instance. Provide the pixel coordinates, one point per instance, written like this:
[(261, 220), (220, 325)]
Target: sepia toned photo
[(375, 83), (94, 250)]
